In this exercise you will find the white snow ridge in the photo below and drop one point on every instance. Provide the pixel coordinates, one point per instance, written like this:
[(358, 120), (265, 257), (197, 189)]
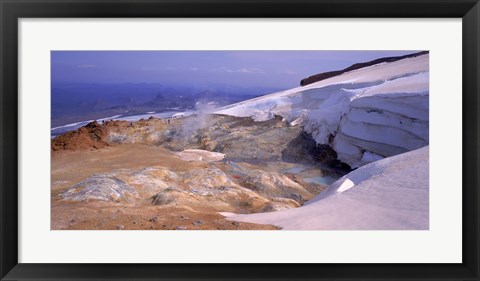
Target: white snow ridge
[(390, 194), (377, 120)]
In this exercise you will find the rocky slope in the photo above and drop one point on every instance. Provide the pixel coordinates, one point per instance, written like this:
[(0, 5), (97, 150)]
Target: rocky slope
[(236, 137), (93, 135)]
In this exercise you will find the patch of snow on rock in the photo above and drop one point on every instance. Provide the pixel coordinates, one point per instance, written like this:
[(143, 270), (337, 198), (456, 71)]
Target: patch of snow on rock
[(200, 155)]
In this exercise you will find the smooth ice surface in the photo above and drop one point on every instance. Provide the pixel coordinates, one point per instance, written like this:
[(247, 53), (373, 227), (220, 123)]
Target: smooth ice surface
[(389, 194)]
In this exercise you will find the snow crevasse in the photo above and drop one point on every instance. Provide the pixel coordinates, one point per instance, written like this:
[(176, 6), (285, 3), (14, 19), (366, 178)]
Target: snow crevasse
[(365, 115)]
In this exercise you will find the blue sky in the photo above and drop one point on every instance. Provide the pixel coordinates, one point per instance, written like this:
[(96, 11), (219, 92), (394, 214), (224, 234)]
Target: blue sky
[(279, 69)]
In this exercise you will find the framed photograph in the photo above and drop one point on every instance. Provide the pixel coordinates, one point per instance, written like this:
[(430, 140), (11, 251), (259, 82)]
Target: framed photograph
[(202, 140)]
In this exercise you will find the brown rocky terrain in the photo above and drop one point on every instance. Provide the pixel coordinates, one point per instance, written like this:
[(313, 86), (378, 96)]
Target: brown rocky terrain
[(238, 138), (92, 135), (134, 175)]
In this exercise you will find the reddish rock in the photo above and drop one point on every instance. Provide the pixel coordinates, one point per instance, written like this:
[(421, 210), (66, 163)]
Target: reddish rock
[(91, 136)]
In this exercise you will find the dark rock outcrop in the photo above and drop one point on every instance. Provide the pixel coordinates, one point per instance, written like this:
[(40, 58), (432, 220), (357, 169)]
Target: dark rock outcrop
[(326, 75)]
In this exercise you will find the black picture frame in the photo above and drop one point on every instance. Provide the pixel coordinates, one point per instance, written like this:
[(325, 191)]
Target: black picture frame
[(12, 10)]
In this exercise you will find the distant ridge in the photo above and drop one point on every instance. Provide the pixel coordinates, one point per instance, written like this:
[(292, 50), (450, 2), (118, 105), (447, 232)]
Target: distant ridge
[(325, 75)]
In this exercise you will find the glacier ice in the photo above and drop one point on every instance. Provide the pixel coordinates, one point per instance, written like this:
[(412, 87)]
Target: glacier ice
[(365, 114)]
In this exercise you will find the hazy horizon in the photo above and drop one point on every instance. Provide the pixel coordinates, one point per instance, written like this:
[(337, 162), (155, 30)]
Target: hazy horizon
[(269, 69)]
